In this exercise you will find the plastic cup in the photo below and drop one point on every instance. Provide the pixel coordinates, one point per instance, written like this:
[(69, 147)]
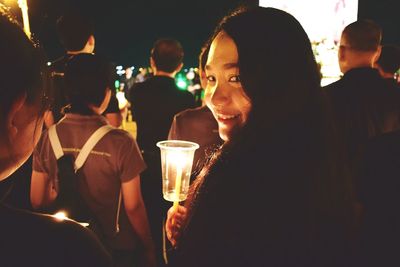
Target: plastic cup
[(176, 165)]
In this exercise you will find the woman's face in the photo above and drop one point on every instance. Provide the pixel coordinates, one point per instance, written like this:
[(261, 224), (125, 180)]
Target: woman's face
[(224, 92)]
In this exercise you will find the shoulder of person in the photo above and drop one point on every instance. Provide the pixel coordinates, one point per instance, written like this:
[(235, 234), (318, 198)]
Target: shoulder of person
[(47, 237), (190, 113), (332, 86), (121, 134), (122, 139), (138, 88)]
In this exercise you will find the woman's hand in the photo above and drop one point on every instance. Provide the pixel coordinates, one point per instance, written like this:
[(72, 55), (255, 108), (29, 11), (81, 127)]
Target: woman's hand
[(175, 220)]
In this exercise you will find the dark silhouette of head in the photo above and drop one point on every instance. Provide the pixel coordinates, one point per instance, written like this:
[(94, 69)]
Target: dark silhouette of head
[(87, 77), (74, 31), (389, 60), (167, 55), (363, 35)]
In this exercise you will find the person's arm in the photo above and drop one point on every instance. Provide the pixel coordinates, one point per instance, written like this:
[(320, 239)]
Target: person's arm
[(43, 192), (48, 118), (136, 211)]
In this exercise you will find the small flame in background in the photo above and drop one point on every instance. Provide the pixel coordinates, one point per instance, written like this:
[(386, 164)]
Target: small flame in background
[(62, 215)]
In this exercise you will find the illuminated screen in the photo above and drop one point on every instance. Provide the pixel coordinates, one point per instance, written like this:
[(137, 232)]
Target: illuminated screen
[(324, 21), (321, 19)]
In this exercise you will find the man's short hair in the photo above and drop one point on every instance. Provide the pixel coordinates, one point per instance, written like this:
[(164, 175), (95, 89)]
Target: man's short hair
[(363, 35), (74, 31), (87, 78), (389, 60), (167, 54)]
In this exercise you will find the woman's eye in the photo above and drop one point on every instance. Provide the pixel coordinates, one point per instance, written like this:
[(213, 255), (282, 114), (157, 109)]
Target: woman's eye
[(210, 78), (235, 79)]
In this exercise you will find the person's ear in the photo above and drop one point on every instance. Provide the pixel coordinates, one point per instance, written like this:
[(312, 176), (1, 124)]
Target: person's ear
[(18, 104), (91, 40), (377, 54), (342, 53), (152, 64), (91, 43), (178, 69)]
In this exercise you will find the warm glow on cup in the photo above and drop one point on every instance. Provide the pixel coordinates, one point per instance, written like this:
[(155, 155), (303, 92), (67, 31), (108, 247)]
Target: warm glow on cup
[(176, 165)]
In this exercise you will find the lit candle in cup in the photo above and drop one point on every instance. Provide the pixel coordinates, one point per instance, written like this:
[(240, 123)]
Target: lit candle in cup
[(176, 164), (178, 160)]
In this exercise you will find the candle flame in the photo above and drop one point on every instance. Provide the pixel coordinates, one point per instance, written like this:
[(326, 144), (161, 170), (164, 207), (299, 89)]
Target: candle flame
[(61, 216), (177, 158)]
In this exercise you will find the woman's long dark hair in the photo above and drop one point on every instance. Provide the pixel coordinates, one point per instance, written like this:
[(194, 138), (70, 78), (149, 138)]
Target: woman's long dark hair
[(22, 63), (286, 160), (22, 68)]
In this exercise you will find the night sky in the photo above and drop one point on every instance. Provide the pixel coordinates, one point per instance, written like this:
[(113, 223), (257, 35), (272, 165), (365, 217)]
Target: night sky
[(126, 29)]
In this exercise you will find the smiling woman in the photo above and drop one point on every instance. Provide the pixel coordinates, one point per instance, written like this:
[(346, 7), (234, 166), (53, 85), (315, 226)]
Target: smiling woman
[(276, 193), (225, 95)]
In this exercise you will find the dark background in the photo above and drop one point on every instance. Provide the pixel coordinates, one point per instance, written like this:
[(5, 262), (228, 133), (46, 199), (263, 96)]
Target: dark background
[(126, 29)]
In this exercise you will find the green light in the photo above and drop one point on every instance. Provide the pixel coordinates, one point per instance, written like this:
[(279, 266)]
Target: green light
[(116, 84), (181, 82)]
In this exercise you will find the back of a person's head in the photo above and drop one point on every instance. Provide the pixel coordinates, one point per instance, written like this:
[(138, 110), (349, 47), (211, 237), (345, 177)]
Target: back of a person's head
[(271, 43), (87, 78), (362, 35), (21, 64), (74, 31), (389, 60), (167, 55)]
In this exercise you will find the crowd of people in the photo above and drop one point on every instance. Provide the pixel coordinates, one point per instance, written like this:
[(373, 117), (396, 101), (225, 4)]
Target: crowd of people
[(288, 173)]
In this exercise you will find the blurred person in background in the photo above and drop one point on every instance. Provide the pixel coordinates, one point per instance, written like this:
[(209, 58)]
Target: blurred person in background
[(109, 181), (197, 125), (154, 103), (76, 33)]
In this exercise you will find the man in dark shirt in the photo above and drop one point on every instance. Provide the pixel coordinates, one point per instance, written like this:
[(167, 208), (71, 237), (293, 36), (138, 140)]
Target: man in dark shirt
[(154, 104), (379, 183), (361, 100), (157, 100), (364, 106)]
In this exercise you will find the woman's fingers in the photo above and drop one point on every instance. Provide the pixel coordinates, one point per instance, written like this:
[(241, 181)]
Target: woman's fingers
[(174, 223)]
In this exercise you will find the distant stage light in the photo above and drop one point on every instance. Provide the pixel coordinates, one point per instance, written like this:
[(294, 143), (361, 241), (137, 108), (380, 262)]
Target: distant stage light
[(181, 84)]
